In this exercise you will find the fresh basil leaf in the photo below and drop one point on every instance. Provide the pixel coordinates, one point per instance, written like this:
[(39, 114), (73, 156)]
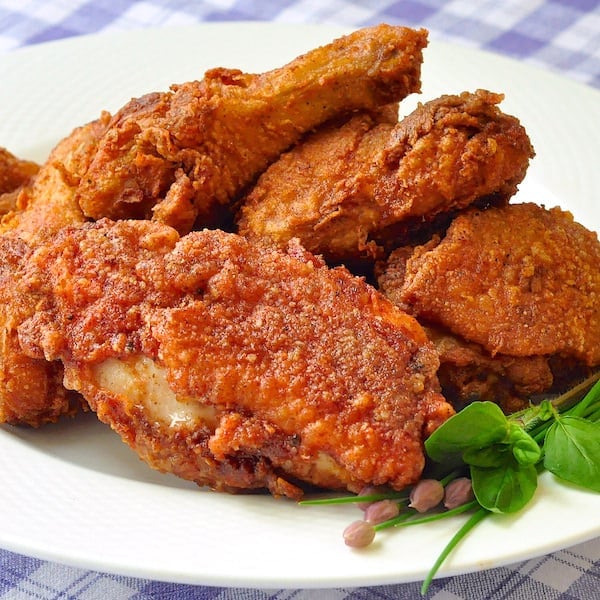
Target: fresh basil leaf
[(524, 448), (572, 451), (478, 425), (505, 489), (492, 456), (527, 451)]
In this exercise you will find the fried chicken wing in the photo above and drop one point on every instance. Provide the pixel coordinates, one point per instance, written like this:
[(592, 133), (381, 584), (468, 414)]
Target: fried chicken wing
[(178, 156), (233, 365), (518, 281), (346, 191)]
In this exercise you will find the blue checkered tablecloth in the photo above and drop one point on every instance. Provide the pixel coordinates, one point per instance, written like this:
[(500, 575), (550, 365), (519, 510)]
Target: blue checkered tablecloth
[(558, 35), (561, 35)]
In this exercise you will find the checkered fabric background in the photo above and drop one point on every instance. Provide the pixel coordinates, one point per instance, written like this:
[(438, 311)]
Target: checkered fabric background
[(563, 35), (560, 35), (572, 574)]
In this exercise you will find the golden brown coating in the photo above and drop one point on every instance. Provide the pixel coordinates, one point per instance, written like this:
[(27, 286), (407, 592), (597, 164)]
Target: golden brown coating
[(346, 191), (178, 156), (31, 390), (14, 173), (232, 365), (48, 202), (518, 280)]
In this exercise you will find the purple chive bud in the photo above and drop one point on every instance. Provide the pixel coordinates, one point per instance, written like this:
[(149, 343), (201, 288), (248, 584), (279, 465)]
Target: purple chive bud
[(366, 491), (381, 511), (458, 492), (427, 494), (359, 534)]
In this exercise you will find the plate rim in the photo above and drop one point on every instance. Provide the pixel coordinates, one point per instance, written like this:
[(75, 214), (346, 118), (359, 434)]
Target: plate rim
[(49, 551)]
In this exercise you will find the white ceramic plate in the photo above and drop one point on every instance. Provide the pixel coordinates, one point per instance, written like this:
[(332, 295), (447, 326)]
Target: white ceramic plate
[(74, 493)]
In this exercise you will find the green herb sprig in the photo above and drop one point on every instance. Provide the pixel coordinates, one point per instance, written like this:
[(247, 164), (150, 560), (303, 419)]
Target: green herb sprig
[(503, 456)]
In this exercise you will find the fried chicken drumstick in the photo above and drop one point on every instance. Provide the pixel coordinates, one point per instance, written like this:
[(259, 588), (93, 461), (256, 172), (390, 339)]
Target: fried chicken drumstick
[(344, 192), (232, 365), (178, 156), (512, 293)]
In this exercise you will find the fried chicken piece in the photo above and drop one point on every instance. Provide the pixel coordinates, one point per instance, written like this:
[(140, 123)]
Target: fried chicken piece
[(467, 373), (48, 203), (232, 365), (31, 390), (520, 281), (345, 192), (14, 173), (179, 156)]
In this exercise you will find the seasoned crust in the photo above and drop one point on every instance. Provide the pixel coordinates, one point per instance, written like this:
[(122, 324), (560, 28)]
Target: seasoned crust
[(353, 191), (31, 390), (510, 297), (286, 370), (519, 280)]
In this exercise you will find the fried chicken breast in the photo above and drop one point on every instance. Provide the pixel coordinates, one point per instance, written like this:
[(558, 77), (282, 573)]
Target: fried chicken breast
[(233, 365), (520, 282), (348, 191), (178, 156)]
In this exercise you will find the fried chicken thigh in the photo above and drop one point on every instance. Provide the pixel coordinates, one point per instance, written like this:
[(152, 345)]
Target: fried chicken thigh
[(520, 282), (179, 156), (346, 191), (233, 365)]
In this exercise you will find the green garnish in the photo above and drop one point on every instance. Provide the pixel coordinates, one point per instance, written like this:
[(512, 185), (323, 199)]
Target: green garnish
[(503, 456)]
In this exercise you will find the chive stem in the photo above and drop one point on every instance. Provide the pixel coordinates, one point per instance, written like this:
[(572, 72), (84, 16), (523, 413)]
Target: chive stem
[(405, 519), (475, 518), (400, 497)]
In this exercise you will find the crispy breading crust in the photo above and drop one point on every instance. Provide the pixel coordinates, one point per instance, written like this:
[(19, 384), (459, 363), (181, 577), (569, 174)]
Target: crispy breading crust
[(510, 299), (310, 373), (354, 190), (31, 390), (179, 156)]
